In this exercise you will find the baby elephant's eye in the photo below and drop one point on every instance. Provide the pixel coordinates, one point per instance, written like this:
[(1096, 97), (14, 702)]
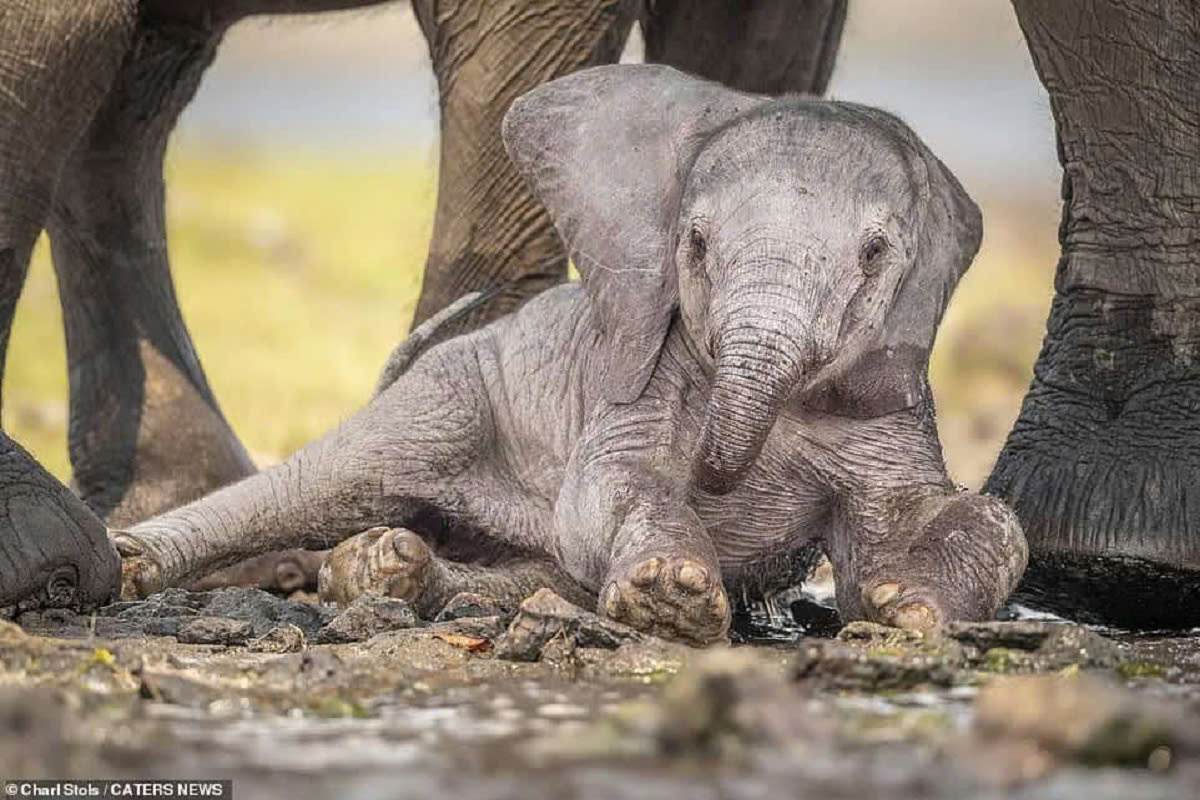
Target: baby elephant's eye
[(872, 253), (698, 245)]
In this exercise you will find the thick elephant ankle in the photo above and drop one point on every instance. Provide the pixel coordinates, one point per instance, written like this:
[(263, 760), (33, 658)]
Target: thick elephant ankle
[(1103, 468)]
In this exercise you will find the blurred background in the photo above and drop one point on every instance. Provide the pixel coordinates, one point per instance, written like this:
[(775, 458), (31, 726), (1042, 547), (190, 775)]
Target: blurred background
[(301, 194)]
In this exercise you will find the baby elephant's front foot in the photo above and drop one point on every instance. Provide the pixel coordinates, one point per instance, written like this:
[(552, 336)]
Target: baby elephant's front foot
[(392, 562), (902, 606), (669, 596), (965, 555)]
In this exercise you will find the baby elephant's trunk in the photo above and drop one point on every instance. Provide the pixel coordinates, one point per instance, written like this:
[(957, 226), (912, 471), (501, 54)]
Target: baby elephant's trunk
[(755, 376)]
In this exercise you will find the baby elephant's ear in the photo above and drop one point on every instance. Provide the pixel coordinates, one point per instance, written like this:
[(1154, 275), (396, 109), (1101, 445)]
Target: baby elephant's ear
[(885, 370), (606, 150)]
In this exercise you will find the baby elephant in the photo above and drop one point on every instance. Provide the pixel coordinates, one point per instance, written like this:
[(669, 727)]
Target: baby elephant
[(739, 383)]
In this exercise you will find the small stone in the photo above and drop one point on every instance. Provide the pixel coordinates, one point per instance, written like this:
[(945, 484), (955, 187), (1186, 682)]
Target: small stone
[(559, 654), (264, 610), (545, 615), (470, 604), (368, 615), (280, 639), (649, 661), (863, 631), (214, 630), (1020, 635), (1074, 644), (162, 614), (885, 667), (486, 627)]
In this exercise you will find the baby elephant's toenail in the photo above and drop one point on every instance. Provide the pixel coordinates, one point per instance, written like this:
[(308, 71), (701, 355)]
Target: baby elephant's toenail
[(126, 547), (409, 547), (646, 572), (693, 577), (612, 600), (916, 617), (883, 594), (720, 604)]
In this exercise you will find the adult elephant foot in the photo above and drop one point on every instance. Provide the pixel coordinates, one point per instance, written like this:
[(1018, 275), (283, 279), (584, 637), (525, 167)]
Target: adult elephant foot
[(54, 552), (1103, 465)]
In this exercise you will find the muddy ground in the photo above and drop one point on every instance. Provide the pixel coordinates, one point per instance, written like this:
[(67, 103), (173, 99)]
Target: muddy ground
[(291, 699)]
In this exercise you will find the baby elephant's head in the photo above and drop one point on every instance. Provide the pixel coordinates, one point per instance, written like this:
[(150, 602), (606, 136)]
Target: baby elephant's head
[(808, 246)]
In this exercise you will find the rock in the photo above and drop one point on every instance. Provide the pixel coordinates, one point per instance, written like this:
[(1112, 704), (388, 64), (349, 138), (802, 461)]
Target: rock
[(368, 615), (1035, 645), (470, 604), (167, 603), (214, 630), (560, 653), (1020, 635), (265, 611), (1074, 644), (419, 650), (835, 665), (873, 632), (285, 638), (487, 627), (545, 615), (163, 613), (649, 661), (1081, 718)]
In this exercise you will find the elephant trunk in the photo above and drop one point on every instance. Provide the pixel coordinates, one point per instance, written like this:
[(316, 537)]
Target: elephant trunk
[(756, 372)]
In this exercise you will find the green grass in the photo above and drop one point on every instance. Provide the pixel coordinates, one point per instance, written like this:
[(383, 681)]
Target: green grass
[(297, 275)]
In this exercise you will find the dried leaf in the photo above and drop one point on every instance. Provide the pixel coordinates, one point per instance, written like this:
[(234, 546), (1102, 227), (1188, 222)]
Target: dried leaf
[(474, 644)]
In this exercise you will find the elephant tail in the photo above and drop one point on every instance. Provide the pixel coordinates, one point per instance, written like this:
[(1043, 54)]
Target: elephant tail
[(441, 326)]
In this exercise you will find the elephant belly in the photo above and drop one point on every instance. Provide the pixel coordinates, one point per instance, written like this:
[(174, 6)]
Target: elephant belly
[(765, 527)]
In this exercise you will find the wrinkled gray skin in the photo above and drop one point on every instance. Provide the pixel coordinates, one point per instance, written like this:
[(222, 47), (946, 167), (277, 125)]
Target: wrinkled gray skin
[(739, 383), (89, 93)]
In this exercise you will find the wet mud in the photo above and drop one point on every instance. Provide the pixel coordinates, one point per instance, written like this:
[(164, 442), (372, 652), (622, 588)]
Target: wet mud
[(292, 699)]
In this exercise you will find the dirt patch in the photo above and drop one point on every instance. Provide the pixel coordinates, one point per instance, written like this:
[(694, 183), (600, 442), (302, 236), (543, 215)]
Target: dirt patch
[(554, 701)]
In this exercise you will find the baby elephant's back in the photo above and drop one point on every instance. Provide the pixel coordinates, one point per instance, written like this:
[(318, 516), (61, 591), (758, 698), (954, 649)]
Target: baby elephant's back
[(535, 365)]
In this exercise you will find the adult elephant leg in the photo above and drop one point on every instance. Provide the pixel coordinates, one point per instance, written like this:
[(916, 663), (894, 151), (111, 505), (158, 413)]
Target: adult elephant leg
[(57, 59), (489, 229), (146, 433), (767, 46), (1103, 464)]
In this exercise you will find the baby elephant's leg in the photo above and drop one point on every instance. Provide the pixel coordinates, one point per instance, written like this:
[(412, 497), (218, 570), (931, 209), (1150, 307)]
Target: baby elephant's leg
[(395, 562), (283, 571), (908, 549), (632, 536)]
